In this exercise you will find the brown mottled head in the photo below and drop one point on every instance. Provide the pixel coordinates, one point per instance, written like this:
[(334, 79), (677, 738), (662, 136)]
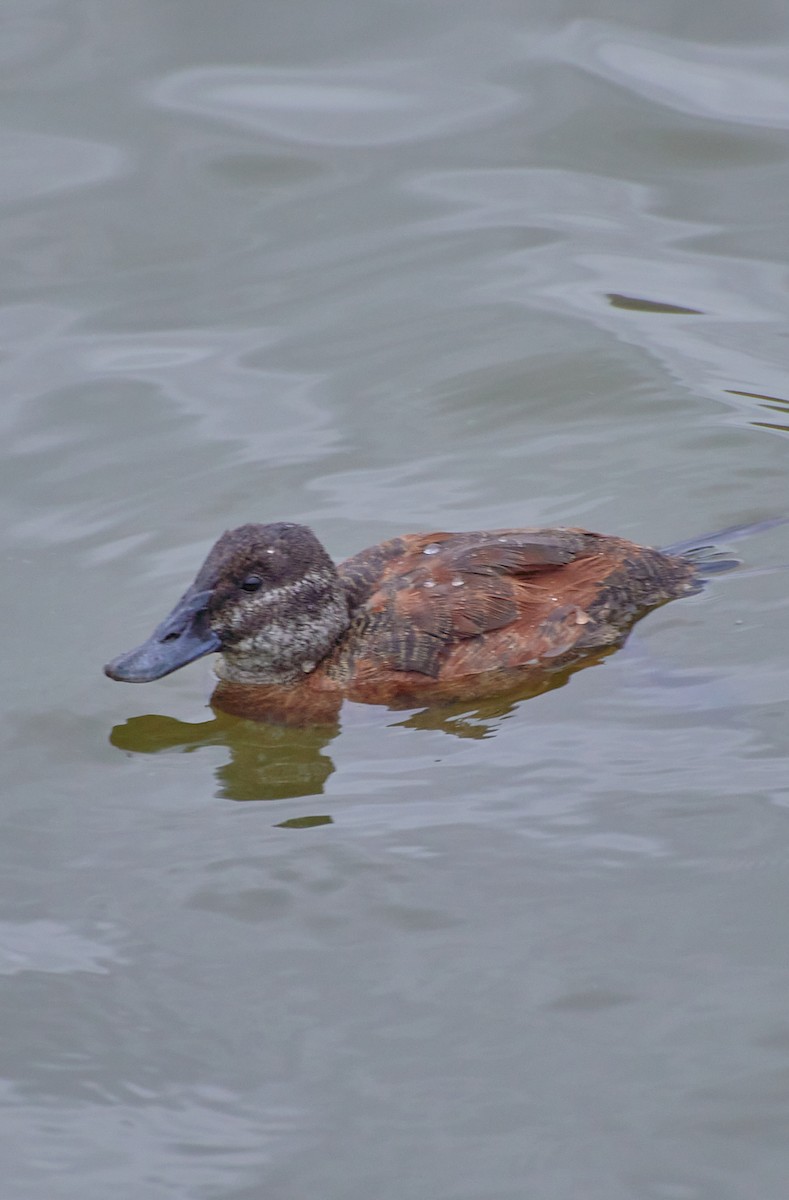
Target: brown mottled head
[(268, 598)]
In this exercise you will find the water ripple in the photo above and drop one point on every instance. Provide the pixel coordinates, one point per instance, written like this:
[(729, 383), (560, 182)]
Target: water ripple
[(51, 947), (37, 164), (363, 106), (744, 84)]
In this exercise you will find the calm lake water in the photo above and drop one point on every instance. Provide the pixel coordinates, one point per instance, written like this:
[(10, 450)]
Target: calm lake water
[(383, 267)]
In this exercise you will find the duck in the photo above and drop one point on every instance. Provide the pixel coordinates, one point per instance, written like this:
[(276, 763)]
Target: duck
[(419, 619)]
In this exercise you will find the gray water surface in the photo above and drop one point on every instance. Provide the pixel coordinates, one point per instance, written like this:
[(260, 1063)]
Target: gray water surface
[(381, 268)]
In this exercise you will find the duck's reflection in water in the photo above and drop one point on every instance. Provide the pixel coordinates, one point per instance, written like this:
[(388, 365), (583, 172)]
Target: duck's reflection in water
[(269, 761), (266, 762)]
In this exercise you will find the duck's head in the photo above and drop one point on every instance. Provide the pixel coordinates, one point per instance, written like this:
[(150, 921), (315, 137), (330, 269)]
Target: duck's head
[(268, 598)]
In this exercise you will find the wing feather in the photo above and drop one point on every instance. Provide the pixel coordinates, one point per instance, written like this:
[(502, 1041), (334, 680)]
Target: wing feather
[(429, 592)]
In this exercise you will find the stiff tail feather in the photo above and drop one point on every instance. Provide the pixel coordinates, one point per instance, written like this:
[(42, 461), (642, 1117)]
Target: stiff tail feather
[(704, 551)]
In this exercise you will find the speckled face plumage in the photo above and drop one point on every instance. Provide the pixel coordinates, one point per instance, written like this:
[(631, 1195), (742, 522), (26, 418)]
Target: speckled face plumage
[(276, 602)]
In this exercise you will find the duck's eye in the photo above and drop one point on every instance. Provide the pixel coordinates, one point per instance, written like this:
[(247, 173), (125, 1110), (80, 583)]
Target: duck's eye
[(252, 583)]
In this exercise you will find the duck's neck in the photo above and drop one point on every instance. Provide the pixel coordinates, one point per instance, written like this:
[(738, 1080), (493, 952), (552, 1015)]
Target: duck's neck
[(299, 625)]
